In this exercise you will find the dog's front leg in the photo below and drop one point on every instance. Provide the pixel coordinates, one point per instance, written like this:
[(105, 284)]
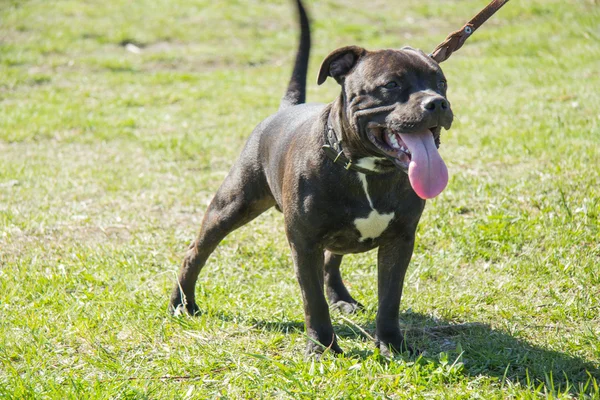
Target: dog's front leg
[(393, 259), (308, 262)]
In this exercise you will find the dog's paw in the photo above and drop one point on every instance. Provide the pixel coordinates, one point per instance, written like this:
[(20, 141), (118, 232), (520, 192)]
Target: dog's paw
[(316, 348), (180, 304), (394, 346), (177, 309), (347, 308)]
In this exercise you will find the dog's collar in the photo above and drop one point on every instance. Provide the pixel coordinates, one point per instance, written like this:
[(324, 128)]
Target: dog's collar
[(334, 150)]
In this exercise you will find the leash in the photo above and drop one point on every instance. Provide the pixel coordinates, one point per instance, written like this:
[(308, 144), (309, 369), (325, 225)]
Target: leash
[(456, 39)]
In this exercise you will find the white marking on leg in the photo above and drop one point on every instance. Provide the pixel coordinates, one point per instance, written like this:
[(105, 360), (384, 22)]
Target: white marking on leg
[(375, 223)]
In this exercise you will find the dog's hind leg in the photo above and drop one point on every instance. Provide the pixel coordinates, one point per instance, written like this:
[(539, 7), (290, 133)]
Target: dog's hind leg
[(243, 196), (337, 294)]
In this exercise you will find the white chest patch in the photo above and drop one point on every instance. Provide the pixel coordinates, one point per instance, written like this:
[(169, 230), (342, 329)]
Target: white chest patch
[(375, 223)]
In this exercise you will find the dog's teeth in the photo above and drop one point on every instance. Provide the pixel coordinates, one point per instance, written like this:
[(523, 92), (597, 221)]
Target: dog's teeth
[(393, 140), (396, 143)]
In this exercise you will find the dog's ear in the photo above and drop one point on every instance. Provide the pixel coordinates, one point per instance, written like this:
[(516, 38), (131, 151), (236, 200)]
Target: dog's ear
[(339, 63)]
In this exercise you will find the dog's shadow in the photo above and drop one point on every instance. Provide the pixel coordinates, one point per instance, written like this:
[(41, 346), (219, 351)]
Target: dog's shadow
[(481, 349)]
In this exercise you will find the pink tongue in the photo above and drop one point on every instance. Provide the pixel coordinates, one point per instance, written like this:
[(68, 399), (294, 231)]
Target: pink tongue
[(427, 172)]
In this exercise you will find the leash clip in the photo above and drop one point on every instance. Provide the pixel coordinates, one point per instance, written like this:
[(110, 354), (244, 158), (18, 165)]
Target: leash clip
[(455, 40)]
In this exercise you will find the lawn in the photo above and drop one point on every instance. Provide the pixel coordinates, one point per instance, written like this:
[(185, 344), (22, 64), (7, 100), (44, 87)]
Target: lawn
[(119, 120)]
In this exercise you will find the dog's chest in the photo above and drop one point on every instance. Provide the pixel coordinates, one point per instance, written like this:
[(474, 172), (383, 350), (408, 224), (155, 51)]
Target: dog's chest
[(374, 224)]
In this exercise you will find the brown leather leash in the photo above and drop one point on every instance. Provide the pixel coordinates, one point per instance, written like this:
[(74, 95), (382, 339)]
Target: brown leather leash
[(456, 39)]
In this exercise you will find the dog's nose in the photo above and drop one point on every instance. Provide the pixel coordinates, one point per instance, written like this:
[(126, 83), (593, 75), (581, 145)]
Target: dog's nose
[(435, 103)]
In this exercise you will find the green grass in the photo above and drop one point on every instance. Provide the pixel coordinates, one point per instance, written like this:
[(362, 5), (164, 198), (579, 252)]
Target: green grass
[(108, 159)]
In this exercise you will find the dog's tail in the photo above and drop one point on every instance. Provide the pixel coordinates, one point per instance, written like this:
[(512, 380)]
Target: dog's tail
[(296, 90)]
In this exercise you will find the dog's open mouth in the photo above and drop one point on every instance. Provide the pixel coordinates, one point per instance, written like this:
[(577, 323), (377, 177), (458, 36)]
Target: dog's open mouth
[(416, 154), (392, 145)]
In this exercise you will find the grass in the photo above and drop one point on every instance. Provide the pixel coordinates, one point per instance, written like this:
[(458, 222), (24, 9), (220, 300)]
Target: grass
[(108, 159)]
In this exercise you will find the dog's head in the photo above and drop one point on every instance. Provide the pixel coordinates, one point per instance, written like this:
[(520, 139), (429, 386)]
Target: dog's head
[(394, 105)]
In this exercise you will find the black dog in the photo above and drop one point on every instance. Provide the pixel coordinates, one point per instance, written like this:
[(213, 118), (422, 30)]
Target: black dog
[(348, 176)]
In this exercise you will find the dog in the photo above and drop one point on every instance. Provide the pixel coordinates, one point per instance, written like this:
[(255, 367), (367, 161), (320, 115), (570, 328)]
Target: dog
[(349, 176)]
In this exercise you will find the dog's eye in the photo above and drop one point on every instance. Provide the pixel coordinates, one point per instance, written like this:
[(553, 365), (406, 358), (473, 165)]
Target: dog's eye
[(442, 85), (391, 85)]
